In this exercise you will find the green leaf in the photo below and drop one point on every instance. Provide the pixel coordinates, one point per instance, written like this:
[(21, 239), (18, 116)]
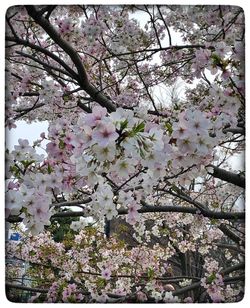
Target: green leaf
[(101, 282), (142, 154), (49, 169), (124, 124), (211, 278), (169, 127), (61, 144), (175, 188), (119, 24), (139, 128), (66, 98), (213, 221), (150, 273), (32, 253), (27, 163), (216, 59), (15, 171)]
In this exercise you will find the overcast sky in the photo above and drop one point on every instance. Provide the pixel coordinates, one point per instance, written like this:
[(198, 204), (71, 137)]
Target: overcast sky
[(25, 131)]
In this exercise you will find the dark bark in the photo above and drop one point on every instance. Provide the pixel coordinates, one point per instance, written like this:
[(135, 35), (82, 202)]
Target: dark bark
[(239, 130), (82, 74), (228, 176), (233, 236), (150, 209)]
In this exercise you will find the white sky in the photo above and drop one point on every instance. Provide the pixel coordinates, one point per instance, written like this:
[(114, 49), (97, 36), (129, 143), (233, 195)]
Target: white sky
[(25, 131)]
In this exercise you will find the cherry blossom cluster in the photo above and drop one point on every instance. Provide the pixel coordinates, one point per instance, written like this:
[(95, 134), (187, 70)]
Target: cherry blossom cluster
[(71, 66), (100, 147), (213, 281), (111, 272), (214, 284)]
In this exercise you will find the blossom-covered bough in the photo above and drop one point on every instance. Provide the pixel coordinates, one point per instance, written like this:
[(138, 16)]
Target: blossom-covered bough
[(140, 186)]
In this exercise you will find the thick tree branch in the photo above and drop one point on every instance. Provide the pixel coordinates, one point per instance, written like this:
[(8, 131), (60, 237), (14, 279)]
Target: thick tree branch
[(83, 106), (239, 130), (201, 209), (191, 210), (145, 209), (227, 176), (82, 74), (48, 9), (233, 236), (50, 30), (230, 247)]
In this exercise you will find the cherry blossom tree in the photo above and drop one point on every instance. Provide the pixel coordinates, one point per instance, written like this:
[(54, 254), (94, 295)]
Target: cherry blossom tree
[(146, 187)]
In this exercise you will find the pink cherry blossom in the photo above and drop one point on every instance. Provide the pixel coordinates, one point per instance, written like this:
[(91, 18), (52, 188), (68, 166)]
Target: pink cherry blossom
[(106, 273), (95, 117), (105, 135), (145, 113)]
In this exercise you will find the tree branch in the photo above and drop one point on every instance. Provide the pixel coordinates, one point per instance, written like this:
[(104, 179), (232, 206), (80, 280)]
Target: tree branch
[(83, 106), (154, 50), (71, 203), (233, 236), (145, 209), (162, 18), (230, 247), (44, 51), (195, 285), (239, 130), (45, 65), (82, 74), (180, 209), (20, 287), (146, 87), (228, 176)]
